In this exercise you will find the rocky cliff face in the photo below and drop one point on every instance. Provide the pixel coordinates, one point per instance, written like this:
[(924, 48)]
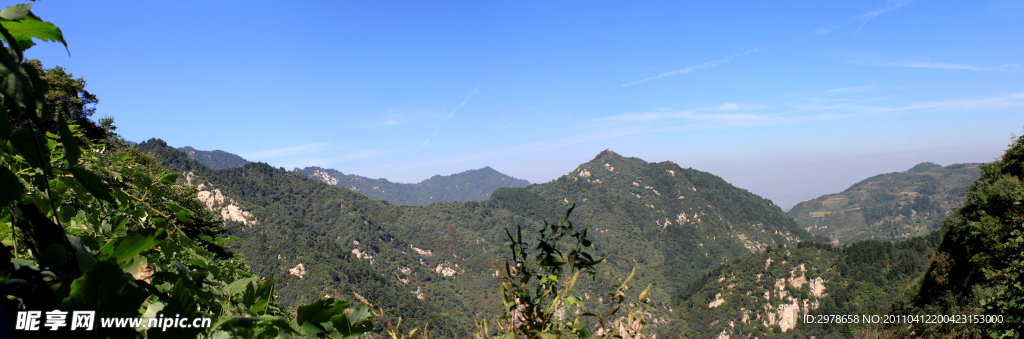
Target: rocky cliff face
[(784, 299), (216, 201)]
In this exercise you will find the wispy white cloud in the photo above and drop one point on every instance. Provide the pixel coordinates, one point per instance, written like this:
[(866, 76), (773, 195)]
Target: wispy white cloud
[(451, 114), (693, 68), (687, 115), (284, 151), (530, 147), (1005, 101), (731, 106), (928, 63), (939, 65), (350, 156), (396, 117), (863, 19), (858, 89)]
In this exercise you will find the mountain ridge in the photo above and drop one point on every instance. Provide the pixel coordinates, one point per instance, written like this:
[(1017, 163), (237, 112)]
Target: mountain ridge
[(890, 206), (469, 185), (216, 159), (669, 223)]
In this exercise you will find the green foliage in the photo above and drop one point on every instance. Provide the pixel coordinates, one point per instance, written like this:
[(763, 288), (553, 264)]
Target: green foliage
[(91, 228), (67, 97), (975, 270), (538, 289), (23, 26), (889, 207)]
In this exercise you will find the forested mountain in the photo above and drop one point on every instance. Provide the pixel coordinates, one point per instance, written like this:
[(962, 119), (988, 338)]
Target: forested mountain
[(214, 159), (976, 272), (472, 185), (889, 206), (669, 223), (767, 295)]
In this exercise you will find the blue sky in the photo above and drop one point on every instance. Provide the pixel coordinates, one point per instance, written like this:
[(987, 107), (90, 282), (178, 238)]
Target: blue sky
[(789, 99)]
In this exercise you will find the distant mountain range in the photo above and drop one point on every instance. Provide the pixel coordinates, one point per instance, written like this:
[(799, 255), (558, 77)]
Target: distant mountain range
[(214, 159), (891, 206), (670, 223), (319, 232), (472, 185)]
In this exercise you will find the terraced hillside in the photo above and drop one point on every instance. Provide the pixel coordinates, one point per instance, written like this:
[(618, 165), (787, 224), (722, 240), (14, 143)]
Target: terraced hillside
[(889, 206)]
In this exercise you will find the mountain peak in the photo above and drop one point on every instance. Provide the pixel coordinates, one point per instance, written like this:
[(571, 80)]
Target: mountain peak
[(214, 159), (923, 167)]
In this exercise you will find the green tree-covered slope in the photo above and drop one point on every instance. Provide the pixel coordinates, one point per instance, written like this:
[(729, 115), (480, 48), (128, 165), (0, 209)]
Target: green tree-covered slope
[(669, 223), (767, 295), (294, 220), (472, 185), (215, 159), (889, 206), (977, 268)]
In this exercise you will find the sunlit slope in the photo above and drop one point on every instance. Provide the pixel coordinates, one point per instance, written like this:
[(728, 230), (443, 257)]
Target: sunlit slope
[(889, 206), (768, 294), (670, 223)]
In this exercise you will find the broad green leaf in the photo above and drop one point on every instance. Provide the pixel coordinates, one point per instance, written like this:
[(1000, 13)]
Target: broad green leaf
[(320, 310), (141, 180), (169, 178), (15, 12), (153, 310), (71, 151), (92, 183), (311, 329), (58, 186), (117, 222), (39, 86), (259, 306), (12, 187), (31, 145), (14, 86), (183, 303), (31, 26), (126, 248), (226, 323), (239, 285), (354, 321), (108, 291), (182, 215)]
